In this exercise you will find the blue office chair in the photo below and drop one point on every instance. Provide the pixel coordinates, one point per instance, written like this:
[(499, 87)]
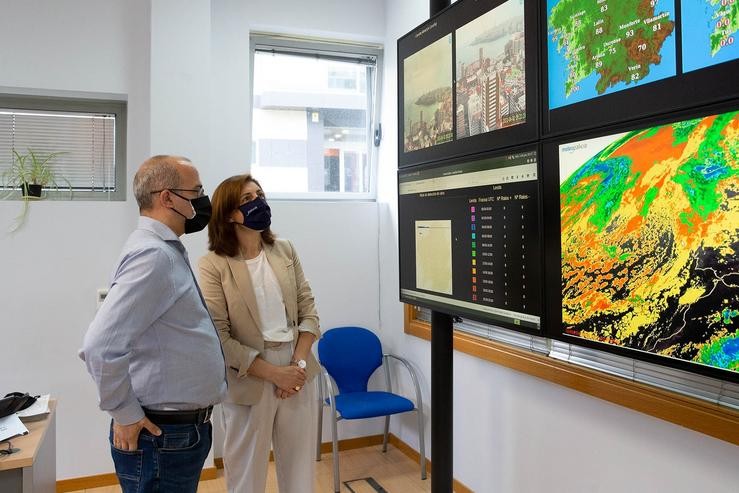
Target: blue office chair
[(349, 356)]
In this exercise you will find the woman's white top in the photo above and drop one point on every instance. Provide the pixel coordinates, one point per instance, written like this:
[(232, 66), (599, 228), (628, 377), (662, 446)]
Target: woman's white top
[(269, 300)]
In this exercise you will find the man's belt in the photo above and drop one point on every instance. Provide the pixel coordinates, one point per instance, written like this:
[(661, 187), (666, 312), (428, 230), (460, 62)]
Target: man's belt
[(190, 417)]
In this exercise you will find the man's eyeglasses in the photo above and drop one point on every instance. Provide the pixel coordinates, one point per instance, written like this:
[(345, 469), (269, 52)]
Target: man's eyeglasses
[(200, 190)]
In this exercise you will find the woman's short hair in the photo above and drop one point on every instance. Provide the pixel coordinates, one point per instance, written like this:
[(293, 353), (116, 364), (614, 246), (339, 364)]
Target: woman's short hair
[(221, 231)]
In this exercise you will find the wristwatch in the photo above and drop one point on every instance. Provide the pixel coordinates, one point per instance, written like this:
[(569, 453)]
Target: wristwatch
[(300, 363)]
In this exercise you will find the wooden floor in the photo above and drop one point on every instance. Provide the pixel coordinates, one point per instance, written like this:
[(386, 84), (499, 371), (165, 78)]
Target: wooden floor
[(393, 471)]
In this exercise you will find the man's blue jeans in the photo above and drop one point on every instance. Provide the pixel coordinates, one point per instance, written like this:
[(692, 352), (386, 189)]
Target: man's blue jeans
[(169, 463)]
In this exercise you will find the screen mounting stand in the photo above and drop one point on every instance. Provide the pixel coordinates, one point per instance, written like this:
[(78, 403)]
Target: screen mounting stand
[(442, 399)]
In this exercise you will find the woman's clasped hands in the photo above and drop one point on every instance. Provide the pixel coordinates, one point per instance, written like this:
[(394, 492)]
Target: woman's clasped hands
[(288, 380)]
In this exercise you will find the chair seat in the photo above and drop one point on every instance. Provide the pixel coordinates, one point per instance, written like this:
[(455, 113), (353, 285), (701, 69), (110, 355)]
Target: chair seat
[(359, 405)]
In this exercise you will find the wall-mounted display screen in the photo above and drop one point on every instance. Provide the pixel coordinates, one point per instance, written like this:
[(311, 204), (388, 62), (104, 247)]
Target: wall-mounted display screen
[(467, 81), (469, 238), (427, 100), (632, 247), (649, 238), (600, 47), (611, 61), (710, 35)]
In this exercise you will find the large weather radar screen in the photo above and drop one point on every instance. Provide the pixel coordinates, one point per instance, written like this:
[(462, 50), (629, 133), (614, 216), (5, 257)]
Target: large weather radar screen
[(650, 240), (597, 47)]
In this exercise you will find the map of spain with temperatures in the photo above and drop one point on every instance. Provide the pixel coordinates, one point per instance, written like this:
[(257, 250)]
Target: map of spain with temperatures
[(602, 46)]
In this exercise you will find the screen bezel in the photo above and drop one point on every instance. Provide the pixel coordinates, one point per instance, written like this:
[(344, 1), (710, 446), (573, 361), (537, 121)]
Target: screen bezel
[(454, 310), (447, 22), (685, 90), (552, 251)]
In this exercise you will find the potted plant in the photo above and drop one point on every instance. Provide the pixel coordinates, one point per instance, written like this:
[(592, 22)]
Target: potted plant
[(32, 172)]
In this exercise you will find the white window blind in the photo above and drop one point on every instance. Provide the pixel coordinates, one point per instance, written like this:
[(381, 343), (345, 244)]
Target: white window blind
[(86, 141)]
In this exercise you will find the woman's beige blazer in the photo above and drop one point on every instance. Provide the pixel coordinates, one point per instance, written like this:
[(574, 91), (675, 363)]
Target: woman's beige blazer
[(229, 294)]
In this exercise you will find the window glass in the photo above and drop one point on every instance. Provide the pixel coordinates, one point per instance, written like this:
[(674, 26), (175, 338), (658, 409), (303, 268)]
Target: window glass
[(312, 124)]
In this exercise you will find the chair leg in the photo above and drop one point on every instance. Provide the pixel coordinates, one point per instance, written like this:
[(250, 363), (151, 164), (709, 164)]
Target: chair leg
[(335, 450), (387, 430), (421, 445), (320, 422)]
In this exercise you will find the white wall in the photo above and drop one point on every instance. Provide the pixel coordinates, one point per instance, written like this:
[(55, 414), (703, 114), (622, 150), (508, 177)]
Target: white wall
[(53, 266), (514, 432), (184, 69)]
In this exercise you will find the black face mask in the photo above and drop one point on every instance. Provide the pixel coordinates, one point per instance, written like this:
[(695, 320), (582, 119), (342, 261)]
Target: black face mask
[(201, 210), (257, 214)]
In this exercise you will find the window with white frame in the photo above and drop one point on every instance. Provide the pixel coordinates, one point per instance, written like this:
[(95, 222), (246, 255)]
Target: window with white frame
[(314, 117), (86, 136)]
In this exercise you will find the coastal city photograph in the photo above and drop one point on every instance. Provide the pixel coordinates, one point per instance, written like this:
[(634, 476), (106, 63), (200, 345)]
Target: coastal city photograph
[(490, 77), (427, 84)]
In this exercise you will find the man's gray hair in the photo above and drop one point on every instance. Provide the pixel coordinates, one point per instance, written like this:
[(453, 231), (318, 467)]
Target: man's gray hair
[(155, 174)]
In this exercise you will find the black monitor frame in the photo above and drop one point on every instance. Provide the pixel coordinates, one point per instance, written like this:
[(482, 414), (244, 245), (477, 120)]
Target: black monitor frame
[(552, 250), (685, 90), (455, 310), (442, 24)]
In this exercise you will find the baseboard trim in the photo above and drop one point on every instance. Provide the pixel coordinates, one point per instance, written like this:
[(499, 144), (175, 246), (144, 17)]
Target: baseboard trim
[(89, 482), (110, 479), (86, 482), (353, 443), (348, 444), (413, 454), (370, 441)]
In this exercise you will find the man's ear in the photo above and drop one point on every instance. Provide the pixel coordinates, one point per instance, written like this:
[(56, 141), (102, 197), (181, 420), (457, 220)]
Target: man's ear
[(165, 198)]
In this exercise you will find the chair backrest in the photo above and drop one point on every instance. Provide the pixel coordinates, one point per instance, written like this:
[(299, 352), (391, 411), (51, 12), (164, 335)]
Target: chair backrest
[(350, 355)]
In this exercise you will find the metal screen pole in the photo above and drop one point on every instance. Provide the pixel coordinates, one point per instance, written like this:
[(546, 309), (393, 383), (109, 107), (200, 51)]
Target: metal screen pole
[(442, 370), (442, 430), (436, 6)]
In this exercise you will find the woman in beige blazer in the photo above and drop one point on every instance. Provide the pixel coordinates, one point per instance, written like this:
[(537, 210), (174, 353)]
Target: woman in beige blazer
[(266, 318)]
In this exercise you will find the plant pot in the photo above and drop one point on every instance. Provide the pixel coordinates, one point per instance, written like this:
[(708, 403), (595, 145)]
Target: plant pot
[(31, 190)]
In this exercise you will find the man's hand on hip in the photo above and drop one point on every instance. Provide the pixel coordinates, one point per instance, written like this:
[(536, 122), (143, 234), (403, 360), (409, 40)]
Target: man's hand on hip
[(126, 437)]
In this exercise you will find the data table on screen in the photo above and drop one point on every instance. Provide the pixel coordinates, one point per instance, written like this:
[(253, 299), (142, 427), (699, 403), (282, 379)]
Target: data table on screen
[(470, 238)]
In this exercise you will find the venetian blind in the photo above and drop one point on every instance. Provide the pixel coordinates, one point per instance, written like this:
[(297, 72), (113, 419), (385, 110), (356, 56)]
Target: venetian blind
[(86, 142)]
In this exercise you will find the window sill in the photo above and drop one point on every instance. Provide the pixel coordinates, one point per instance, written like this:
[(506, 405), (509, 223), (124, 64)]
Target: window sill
[(701, 416)]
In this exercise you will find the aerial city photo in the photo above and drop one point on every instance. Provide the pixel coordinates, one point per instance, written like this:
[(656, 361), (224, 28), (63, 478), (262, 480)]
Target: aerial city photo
[(427, 82), (490, 77)]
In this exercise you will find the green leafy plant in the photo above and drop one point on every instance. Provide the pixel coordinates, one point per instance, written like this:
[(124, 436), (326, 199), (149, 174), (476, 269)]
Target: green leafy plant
[(31, 172), (32, 169)]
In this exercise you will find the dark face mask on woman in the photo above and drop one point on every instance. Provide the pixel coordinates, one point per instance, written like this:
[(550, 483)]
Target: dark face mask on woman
[(257, 214), (201, 211)]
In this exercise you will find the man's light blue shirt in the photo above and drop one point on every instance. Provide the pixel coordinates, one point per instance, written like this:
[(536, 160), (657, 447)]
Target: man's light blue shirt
[(152, 343)]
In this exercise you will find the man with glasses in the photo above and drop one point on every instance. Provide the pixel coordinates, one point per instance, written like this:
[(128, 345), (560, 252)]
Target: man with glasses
[(152, 348)]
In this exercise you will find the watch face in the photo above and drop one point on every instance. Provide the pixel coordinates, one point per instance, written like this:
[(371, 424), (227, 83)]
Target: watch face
[(302, 363)]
